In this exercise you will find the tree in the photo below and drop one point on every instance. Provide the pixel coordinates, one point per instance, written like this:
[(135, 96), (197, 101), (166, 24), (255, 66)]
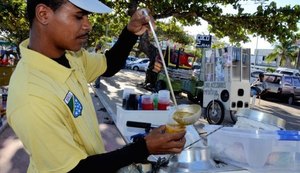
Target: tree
[(13, 24), (268, 21), (284, 53), (106, 27)]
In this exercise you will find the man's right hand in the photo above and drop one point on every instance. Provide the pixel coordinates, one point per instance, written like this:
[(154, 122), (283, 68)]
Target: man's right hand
[(160, 142)]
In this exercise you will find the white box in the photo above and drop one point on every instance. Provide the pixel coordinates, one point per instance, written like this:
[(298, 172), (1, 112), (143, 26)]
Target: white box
[(256, 150), (155, 117)]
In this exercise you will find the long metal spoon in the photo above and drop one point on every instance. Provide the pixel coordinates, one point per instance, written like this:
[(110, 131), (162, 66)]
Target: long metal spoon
[(162, 58)]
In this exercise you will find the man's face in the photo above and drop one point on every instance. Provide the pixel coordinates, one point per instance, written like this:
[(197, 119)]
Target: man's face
[(69, 27)]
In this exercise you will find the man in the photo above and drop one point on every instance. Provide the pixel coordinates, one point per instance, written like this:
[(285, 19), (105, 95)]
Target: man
[(259, 86), (49, 105)]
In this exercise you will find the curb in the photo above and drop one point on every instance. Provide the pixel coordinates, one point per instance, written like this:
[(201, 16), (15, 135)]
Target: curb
[(105, 102), (4, 125)]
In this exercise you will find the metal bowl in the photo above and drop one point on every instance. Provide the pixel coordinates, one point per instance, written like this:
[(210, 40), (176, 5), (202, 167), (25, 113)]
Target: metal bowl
[(262, 117), (195, 159)]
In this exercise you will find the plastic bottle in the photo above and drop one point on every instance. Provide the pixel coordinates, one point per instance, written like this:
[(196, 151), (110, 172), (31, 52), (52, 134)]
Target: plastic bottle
[(132, 102), (163, 99), (126, 93), (155, 100), (147, 102), (140, 102), (4, 100)]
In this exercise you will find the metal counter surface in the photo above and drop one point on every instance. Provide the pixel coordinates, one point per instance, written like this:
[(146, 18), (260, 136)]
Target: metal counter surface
[(191, 136)]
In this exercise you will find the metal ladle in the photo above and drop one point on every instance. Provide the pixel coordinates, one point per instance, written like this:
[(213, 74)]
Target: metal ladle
[(162, 57), (187, 119)]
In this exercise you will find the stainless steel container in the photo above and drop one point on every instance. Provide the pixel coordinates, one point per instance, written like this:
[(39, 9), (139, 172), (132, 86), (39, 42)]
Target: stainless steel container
[(195, 159), (261, 117)]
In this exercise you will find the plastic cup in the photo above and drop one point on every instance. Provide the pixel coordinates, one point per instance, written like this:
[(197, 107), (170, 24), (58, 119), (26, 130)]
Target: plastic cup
[(174, 128), (147, 102), (163, 99)]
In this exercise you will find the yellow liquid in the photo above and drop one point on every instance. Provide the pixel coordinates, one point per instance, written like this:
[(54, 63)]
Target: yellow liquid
[(174, 128), (179, 116)]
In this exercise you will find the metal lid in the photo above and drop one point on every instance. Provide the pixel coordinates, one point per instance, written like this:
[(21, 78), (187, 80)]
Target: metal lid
[(262, 117)]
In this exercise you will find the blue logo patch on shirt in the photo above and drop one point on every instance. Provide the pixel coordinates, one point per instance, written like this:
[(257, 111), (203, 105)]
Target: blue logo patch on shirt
[(74, 104)]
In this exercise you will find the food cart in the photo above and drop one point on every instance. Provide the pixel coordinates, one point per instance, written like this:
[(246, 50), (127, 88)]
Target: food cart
[(229, 142), (225, 78), (226, 83), (180, 68)]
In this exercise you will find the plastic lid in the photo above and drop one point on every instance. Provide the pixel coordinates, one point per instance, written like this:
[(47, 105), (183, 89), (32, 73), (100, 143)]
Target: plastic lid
[(289, 135)]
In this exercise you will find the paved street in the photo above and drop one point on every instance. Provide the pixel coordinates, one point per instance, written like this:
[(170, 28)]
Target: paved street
[(13, 158)]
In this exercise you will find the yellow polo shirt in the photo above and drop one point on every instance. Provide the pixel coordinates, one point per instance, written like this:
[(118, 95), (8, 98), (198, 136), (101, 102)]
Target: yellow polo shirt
[(51, 110)]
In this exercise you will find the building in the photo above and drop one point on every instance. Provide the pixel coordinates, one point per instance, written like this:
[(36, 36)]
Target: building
[(259, 58)]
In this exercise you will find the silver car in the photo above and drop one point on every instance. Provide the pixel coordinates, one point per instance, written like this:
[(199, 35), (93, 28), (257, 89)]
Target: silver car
[(140, 65), (283, 87), (130, 60)]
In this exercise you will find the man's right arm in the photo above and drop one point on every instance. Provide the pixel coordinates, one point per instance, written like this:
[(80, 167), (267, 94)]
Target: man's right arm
[(136, 152), (156, 142)]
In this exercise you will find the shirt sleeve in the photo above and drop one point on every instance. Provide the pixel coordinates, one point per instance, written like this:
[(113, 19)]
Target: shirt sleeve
[(94, 64), (117, 55), (112, 161)]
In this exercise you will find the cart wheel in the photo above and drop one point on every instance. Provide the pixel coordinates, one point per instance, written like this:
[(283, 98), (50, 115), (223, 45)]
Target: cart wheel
[(215, 112), (233, 116)]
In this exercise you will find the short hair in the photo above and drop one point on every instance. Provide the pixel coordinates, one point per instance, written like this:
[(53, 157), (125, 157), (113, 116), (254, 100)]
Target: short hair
[(261, 75), (31, 5)]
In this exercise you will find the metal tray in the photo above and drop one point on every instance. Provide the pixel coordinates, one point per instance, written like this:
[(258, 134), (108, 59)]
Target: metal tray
[(262, 117)]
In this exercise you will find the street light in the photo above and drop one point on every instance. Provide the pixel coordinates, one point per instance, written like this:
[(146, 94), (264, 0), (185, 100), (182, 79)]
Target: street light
[(261, 2)]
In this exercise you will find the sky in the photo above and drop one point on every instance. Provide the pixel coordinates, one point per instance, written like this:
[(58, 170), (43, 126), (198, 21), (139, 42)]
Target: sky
[(249, 6)]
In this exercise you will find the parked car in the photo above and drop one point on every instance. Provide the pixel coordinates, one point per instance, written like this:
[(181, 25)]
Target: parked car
[(288, 71), (140, 64), (283, 87), (130, 60)]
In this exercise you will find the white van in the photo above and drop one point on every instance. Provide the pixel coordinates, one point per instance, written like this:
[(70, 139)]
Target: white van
[(288, 71)]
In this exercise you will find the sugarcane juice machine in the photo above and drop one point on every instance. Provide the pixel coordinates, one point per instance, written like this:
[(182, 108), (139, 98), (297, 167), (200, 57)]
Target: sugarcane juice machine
[(225, 73)]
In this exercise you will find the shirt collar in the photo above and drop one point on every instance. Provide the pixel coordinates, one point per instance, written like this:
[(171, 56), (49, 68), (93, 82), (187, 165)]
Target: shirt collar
[(44, 63)]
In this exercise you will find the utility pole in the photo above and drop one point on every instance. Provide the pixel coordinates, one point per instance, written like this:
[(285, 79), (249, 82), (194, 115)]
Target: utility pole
[(298, 55), (261, 2)]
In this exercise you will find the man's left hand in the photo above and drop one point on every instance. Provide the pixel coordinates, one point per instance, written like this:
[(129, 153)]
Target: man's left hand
[(139, 22)]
